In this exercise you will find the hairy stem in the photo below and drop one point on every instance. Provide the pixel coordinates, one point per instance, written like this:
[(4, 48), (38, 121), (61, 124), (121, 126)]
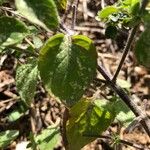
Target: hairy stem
[(125, 52), (129, 42)]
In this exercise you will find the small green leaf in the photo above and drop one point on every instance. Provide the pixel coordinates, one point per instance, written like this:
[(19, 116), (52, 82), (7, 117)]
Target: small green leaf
[(49, 138), (130, 2), (37, 42), (142, 49), (26, 80), (123, 83), (6, 137), (61, 4), (17, 112), (123, 113), (104, 13), (12, 31), (41, 12), (67, 66), (87, 120), (15, 115)]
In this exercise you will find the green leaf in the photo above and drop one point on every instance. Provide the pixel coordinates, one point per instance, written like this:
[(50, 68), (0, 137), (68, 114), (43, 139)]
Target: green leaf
[(130, 2), (135, 8), (67, 66), (26, 81), (146, 20), (123, 83), (104, 13), (49, 138), (123, 113), (61, 4), (12, 31), (17, 112), (142, 49), (6, 137), (87, 120), (2, 1), (37, 42), (15, 115), (41, 12)]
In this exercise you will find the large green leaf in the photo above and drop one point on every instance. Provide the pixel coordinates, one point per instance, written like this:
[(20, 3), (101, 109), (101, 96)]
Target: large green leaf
[(6, 137), (49, 138), (42, 12), (67, 66), (87, 120), (142, 49), (26, 80), (12, 31)]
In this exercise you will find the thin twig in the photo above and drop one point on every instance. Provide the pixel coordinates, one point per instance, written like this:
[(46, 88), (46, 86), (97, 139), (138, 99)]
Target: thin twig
[(7, 9), (9, 100), (130, 103), (129, 42), (30, 43), (65, 30), (24, 51), (74, 15)]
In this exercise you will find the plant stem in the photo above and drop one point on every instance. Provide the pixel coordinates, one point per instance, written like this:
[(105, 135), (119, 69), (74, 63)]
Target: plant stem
[(64, 122), (74, 15), (129, 42), (145, 121), (125, 52)]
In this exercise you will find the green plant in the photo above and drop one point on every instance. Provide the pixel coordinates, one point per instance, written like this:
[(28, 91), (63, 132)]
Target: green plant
[(67, 64)]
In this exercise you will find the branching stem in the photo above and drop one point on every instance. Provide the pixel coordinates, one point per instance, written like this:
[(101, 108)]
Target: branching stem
[(145, 121), (129, 42)]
